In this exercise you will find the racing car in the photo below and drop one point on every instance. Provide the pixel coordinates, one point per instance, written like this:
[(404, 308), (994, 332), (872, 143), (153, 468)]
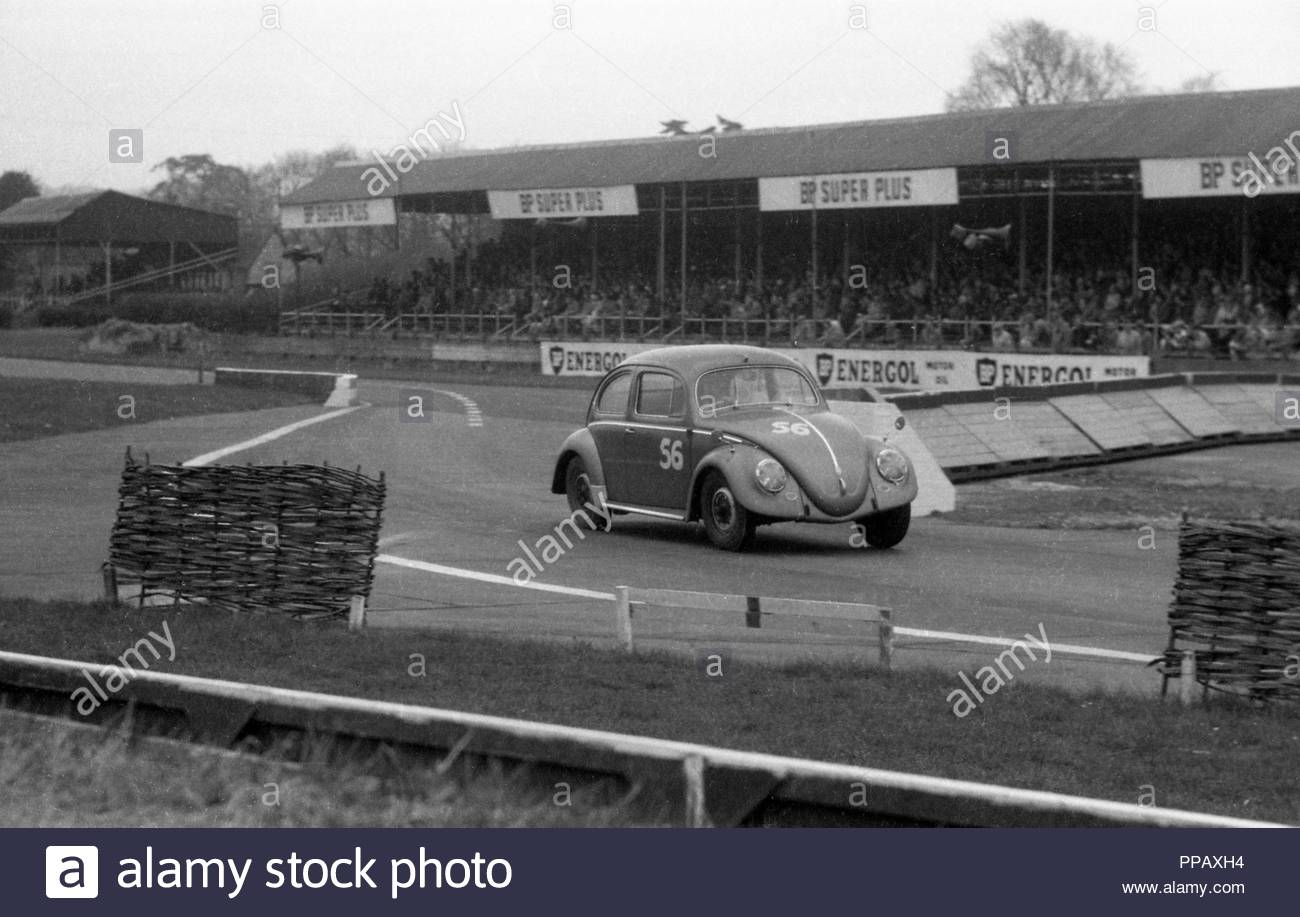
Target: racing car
[(734, 437)]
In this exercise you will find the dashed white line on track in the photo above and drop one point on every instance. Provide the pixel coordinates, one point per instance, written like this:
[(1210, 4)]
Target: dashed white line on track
[(473, 416)]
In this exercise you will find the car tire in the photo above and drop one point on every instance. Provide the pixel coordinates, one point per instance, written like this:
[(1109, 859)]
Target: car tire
[(577, 490), (728, 524), (884, 530)]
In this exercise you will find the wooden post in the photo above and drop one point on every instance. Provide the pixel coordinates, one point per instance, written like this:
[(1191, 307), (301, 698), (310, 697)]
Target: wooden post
[(885, 635), (682, 284), (1187, 678), (1245, 241), (934, 250), (812, 301), (357, 613), (110, 583), (1023, 245), (108, 273), (532, 264), (846, 251), (736, 245), (623, 618), (1051, 229), (663, 228), (693, 771)]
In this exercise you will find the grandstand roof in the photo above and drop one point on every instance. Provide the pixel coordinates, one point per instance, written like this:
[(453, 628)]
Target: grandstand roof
[(104, 216), (1146, 127)]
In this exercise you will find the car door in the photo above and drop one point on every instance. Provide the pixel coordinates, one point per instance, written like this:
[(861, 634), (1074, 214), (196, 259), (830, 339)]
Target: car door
[(607, 424), (657, 446)]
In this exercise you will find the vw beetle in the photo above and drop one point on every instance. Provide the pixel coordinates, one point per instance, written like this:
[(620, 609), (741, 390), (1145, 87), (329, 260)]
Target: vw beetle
[(735, 437)]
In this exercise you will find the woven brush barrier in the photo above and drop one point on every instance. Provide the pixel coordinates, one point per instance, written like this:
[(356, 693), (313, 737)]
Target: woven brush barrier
[(1237, 607), (289, 539)]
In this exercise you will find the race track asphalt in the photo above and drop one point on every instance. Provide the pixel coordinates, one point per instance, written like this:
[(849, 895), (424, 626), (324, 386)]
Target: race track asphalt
[(464, 496)]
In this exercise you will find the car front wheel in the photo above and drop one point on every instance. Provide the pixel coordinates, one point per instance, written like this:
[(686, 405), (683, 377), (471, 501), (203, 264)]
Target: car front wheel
[(884, 530), (728, 524)]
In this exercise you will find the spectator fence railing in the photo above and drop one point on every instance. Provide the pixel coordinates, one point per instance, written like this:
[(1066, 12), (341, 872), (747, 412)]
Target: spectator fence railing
[(915, 333)]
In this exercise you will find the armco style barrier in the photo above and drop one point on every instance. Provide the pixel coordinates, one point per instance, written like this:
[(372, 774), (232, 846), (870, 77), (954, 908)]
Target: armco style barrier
[(285, 539), (1235, 620), (992, 432), (337, 390), (695, 784)]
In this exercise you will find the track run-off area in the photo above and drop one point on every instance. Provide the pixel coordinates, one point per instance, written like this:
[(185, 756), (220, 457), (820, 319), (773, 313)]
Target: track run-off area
[(468, 491)]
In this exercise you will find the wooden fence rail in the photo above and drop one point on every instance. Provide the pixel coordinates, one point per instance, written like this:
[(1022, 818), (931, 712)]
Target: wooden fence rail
[(753, 608)]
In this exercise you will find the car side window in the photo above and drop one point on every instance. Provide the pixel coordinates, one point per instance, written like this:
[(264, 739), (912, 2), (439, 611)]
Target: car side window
[(613, 397), (660, 395)]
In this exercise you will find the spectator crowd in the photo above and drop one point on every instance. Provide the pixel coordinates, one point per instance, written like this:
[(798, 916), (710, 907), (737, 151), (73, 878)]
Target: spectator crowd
[(1094, 307)]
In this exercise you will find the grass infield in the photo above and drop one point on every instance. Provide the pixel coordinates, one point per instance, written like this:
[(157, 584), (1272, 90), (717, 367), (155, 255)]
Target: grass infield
[(1225, 757), (34, 408)]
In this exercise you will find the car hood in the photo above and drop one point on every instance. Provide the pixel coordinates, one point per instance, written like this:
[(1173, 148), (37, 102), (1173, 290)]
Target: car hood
[(829, 461)]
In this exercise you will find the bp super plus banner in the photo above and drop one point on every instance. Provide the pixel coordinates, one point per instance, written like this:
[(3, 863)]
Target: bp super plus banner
[(563, 203), (916, 188)]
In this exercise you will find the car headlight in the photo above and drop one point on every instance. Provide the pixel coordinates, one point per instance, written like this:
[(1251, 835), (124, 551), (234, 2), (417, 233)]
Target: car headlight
[(770, 475), (892, 465)]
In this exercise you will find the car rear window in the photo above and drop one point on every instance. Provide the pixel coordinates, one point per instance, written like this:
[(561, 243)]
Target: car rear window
[(613, 397)]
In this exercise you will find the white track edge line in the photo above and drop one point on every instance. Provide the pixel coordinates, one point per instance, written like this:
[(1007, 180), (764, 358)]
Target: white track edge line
[(1064, 648), (208, 458)]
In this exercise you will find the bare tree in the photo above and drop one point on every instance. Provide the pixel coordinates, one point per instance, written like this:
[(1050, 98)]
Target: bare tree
[(1030, 63), (1205, 82)]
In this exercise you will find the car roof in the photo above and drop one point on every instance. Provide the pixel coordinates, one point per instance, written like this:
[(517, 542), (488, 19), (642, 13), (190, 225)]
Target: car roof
[(691, 360)]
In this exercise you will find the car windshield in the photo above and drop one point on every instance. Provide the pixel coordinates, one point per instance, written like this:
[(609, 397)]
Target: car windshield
[(746, 386)]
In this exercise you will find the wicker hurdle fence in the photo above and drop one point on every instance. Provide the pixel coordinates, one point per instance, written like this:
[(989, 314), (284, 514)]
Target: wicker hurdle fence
[(287, 539), (1235, 619)]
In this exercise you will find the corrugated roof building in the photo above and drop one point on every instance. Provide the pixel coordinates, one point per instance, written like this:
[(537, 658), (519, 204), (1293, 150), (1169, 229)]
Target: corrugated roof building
[(1147, 127)]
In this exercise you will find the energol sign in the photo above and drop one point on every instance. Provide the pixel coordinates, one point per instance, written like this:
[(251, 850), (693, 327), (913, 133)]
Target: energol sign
[(919, 370)]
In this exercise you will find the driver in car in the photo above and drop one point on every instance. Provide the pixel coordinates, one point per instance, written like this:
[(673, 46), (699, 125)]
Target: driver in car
[(750, 386)]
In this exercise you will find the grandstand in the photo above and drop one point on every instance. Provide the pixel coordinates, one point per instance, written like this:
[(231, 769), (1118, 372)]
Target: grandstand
[(1152, 224), (89, 247)]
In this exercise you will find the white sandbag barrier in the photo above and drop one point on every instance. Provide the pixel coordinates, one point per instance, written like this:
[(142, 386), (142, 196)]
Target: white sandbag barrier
[(1005, 431), (882, 419), (339, 390)]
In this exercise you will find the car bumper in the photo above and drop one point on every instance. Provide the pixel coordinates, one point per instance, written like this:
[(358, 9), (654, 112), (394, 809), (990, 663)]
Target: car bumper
[(793, 505)]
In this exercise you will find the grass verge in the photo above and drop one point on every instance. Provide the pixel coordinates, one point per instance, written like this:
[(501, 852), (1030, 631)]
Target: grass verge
[(47, 407), (62, 775), (1224, 757)]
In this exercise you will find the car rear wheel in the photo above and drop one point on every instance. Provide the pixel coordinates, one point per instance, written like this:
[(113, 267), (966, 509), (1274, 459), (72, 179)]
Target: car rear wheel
[(577, 489), (728, 524), (884, 530)]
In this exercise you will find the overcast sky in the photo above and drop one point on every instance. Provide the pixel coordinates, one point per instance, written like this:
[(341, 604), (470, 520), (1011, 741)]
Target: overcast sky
[(207, 76)]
